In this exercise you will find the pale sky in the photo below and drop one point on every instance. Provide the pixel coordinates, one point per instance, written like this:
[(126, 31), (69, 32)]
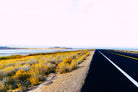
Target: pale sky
[(85, 23)]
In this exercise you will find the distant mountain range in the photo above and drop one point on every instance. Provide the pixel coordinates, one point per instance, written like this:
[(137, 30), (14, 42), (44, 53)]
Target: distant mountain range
[(59, 48), (10, 48)]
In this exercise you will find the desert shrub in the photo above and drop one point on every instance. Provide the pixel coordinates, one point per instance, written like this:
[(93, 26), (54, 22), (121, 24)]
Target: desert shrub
[(74, 64), (83, 57), (1, 73), (1, 66), (2, 87), (51, 67), (21, 75), (20, 79), (32, 61), (88, 53), (78, 56), (3, 84), (59, 60), (25, 68), (10, 64), (51, 61), (63, 67), (22, 63), (80, 60), (37, 73), (9, 71), (12, 82), (44, 58), (68, 60), (41, 68), (35, 78)]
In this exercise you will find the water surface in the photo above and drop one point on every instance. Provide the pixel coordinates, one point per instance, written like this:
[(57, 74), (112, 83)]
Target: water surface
[(9, 52)]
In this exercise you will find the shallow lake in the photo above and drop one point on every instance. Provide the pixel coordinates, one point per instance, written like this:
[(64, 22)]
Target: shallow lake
[(9, 52)]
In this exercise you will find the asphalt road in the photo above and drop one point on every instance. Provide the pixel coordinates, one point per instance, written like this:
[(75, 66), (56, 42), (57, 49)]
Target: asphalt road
[(112, 71)]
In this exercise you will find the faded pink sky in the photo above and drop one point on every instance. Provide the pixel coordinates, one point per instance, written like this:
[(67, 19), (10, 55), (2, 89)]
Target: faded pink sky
[(104, 23)]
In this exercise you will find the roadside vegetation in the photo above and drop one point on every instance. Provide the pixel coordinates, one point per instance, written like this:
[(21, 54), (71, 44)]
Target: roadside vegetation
[(127, 51), (11, 57), (22, 72)]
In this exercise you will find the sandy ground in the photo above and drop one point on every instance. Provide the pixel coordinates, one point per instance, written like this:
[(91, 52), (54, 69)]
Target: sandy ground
[(68, 82)]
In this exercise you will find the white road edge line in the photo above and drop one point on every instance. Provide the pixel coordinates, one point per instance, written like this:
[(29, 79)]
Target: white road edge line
[(123, 72)]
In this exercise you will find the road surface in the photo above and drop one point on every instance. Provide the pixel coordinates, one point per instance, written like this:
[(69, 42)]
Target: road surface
[(112, 71)]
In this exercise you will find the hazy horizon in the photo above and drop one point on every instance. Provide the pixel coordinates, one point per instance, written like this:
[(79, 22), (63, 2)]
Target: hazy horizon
[(86, 47)]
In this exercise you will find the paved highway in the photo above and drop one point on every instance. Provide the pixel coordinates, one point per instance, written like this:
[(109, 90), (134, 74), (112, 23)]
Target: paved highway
[(112, 71)]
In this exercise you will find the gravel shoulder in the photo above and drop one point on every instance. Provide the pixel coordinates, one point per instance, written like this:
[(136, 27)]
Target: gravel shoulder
[(68, 82)]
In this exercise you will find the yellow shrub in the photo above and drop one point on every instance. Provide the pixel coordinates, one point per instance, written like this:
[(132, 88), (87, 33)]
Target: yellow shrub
[(21, 75), (88, 53), (73, 64), (19, 85), (41, 68), (51, 67), (37, 71), (67, 60), (9, 70), (34, 72), (80, 60), (63, 67), (2, 88), (34, 80)]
